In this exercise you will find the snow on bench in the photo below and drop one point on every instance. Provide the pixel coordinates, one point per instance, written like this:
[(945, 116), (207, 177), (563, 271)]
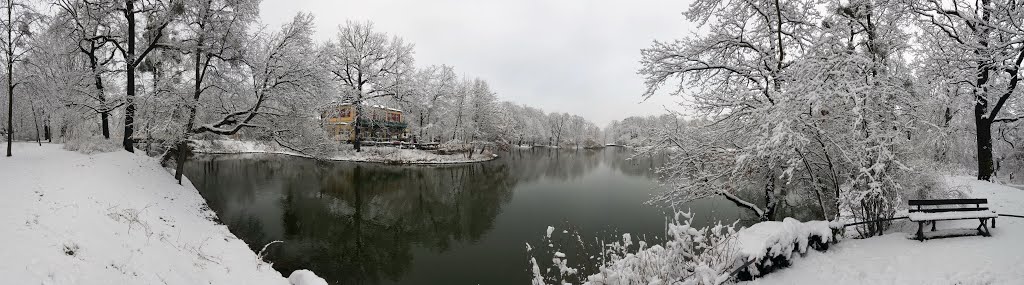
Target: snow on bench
[(765, 243), (922, 216)]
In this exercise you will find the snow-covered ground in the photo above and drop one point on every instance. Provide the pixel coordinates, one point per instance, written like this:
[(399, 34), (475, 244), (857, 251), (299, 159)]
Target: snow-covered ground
[(369, 154), (114, 218), (895, 259)]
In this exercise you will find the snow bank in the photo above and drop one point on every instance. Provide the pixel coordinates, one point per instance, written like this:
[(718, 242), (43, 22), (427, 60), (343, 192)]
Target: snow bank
[(389, 155), (235, 146), (113, 218), (392, 155)]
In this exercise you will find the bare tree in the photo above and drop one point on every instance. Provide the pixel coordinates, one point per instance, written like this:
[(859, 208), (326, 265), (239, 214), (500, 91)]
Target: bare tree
[(987, 37), (276, 74), (216, 38), (18, 29), (368, 65), (86, 25), (157, 15)]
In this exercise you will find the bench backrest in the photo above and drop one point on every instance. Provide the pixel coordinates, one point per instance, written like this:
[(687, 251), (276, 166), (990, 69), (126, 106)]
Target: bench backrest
[(942, 205)]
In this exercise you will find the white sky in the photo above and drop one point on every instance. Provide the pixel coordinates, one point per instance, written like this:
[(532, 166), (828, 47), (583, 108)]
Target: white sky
[(574, 56)]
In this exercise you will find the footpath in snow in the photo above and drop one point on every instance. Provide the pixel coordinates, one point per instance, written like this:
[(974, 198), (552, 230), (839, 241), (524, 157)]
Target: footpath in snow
[(895, 259), (114, 218), (389, 155)]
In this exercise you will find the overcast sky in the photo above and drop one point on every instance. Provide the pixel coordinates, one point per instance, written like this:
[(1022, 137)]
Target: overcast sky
[(575, 56)]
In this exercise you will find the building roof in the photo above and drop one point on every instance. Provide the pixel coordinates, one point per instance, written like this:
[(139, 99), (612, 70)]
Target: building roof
[(373, 106)]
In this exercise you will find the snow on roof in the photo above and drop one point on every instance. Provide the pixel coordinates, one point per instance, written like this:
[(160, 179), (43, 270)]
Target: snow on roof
[(374, 106), (386, 108)]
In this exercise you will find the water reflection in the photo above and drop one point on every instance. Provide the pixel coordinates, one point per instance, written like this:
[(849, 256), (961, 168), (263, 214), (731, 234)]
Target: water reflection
[(355, 223)]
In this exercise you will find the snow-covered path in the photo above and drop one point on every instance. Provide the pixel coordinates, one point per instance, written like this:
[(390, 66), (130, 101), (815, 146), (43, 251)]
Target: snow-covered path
[(112, 218), (894, 259)]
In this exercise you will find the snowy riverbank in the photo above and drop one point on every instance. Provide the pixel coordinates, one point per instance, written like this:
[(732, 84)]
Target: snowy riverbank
[(895, 259), (389, 155), (114, 218)]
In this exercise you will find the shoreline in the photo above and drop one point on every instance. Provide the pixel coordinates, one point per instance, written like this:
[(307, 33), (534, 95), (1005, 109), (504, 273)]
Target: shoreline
[(257, 147), (439, 163)]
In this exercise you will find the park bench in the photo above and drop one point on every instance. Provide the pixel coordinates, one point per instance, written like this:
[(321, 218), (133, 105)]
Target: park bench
[(930, 211)]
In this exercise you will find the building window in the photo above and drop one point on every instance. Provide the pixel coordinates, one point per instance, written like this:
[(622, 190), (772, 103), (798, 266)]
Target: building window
[(345, 113)]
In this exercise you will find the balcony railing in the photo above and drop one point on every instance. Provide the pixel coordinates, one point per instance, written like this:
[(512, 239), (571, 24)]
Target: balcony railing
[(381, 123)]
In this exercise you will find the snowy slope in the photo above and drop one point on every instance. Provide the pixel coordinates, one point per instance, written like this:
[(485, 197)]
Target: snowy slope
[(112, 218), (895, 259)]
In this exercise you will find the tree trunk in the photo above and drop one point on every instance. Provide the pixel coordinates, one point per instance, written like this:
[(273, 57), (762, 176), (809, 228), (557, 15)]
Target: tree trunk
[(356, 140), (982, 122), (10, 78), (180, 160), (104, 112), (984, 138), (196, 90), (35, 119), (129, 109)]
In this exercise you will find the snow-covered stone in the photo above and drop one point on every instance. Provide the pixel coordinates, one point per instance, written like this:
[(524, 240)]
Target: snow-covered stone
[(305, 277)]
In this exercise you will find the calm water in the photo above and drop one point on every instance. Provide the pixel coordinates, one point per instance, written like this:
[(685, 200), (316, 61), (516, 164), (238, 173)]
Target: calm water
[(357, 223)]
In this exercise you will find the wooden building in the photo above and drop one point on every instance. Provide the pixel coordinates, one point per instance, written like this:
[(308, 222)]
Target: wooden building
[(377, 123)]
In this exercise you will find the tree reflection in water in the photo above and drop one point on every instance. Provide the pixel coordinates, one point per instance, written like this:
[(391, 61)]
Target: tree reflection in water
[(356, 223), (352, 223)]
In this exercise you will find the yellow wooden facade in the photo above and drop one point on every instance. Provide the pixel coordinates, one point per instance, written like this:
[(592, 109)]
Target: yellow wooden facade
[(378, 123)]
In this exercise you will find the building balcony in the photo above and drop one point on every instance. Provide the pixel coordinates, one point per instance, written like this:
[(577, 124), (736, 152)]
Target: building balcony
[(381, 123)]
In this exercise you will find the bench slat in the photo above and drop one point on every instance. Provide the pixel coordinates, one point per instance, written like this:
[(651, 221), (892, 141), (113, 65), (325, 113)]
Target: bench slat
[(946, 202), (915, 217), (948, 210)]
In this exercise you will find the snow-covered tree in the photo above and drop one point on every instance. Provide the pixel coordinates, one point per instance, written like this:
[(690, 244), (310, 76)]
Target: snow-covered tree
[(367, 65), (793, 101), (18, 28), (982, 45)]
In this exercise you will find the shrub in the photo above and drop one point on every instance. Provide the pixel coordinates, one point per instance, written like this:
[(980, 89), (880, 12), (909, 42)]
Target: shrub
[(91, 145)]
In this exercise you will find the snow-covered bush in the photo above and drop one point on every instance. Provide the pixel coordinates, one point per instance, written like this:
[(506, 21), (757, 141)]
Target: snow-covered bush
[(926, 182), (690, 256), (767, 246), (708, 255), (454, 146), (90, 145)]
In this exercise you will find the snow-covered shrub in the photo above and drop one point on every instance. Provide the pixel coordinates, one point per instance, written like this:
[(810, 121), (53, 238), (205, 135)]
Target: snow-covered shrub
[(767, 246), (926, 182), (90, 145), (690, 256), (454, 146), (709, 255)]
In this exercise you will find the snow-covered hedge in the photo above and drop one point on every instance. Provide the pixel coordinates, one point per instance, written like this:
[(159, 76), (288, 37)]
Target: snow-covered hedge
[(709, 255), (767, 246)]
